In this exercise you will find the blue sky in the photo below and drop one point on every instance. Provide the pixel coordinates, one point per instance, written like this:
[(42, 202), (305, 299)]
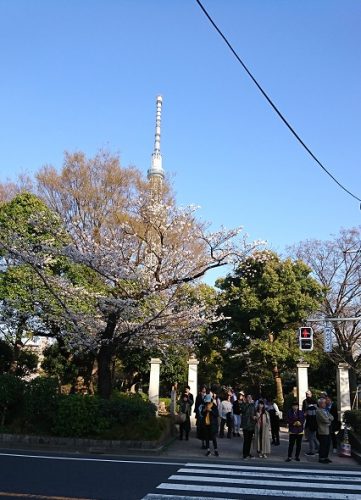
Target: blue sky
[(84, 75)]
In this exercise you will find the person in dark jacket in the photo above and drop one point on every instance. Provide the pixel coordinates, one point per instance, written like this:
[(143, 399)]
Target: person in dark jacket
[(187, 390), (305, 404), (311, 427), (197, 406), (209, 422), (295, 420), (237, 414), (336, 424), (248, 423), (274, 414), (185, 407)]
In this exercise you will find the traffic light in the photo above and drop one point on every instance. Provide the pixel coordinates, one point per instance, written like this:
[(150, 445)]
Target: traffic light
[(305, 338)]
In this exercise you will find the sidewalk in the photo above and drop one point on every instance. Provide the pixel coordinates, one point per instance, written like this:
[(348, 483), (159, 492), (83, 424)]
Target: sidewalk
[(231, 449)]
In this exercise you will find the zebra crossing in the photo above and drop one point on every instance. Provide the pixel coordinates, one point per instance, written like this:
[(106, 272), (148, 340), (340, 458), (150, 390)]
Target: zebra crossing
[(201, 481)]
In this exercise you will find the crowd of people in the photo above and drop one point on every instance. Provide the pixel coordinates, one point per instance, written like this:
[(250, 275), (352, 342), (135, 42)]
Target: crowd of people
[(226, 415)]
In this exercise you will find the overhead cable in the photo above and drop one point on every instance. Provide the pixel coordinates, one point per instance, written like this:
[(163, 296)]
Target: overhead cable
[(292, 130)]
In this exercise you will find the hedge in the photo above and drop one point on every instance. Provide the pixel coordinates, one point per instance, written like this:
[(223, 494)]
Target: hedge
[(353, 419), (37, 407)]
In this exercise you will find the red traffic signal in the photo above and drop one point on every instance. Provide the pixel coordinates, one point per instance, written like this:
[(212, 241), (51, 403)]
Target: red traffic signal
[(305, 338)]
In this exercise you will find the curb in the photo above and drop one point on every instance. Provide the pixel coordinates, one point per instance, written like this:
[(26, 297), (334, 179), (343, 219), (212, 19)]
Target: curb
[(94, 446)]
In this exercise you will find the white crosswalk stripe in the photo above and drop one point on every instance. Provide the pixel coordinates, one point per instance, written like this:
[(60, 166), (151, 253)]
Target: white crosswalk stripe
[(227, 482)]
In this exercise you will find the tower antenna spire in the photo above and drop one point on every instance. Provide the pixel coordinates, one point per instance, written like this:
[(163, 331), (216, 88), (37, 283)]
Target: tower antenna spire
[(156, 170)]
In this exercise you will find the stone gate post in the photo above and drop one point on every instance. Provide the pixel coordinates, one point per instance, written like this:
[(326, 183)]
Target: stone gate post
[(343, 389), (302, 381), (193, 380), (154, 380)]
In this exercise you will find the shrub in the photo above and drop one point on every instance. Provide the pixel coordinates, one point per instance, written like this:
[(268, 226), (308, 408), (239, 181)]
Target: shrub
[(149, 430), (41, 400), (353, 419), (125, 416), (6, 356), (126, 406), (11, 394), (80, 416)]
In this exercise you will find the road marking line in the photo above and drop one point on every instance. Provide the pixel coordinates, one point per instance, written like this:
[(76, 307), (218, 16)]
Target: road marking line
[(290, 484), (280, 469), (343, 477), (82, 459), (251, 491)]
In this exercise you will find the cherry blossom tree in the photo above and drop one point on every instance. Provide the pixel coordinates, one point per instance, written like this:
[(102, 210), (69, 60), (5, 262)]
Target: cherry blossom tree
[(115, 264)]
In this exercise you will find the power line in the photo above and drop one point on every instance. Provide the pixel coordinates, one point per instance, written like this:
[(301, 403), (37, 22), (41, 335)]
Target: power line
[(288, 125)]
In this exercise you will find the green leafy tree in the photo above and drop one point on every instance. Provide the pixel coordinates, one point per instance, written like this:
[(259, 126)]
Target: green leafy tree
[(68, 367), (266, 299)]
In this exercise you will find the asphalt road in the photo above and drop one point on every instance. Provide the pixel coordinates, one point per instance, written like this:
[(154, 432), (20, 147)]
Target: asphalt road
[(54, 477), (50, 476)]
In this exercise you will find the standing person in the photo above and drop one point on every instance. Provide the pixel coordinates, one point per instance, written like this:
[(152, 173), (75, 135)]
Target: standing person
[(307, 400), (185, 407), (237, 414), (295, 419), (197, 407), (262, 442), (218, 402), (324, 421), (248, 424), (233, 396), (274, 414), (226, 416), (305, 404), (336, 424), (187, 390), (311, 427), (209, 424)]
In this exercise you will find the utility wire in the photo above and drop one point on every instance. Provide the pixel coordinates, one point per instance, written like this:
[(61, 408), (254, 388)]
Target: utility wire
[(292, 130)]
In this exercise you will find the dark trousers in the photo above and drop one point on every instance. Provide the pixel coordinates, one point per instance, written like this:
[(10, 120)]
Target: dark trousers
[(294, 438), (209, 435), (183, 428), (247, 441), (227, 421), (275, 430), (324, 449), (334, 440)]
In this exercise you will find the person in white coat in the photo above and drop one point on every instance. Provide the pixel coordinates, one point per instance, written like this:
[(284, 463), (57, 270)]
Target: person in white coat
[(226, 416)]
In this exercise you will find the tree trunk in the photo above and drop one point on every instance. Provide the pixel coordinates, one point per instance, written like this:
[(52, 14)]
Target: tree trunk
[(105, 358), (278, 381), (277, 377)]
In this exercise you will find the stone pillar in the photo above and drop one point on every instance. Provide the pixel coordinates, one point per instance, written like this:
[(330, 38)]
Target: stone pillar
[(193, 381), (343, 389), (302, 381), (173, 400), (154, 381)]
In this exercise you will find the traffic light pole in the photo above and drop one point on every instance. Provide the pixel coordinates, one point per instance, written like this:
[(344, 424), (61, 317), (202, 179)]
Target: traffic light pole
[(343, 384)]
